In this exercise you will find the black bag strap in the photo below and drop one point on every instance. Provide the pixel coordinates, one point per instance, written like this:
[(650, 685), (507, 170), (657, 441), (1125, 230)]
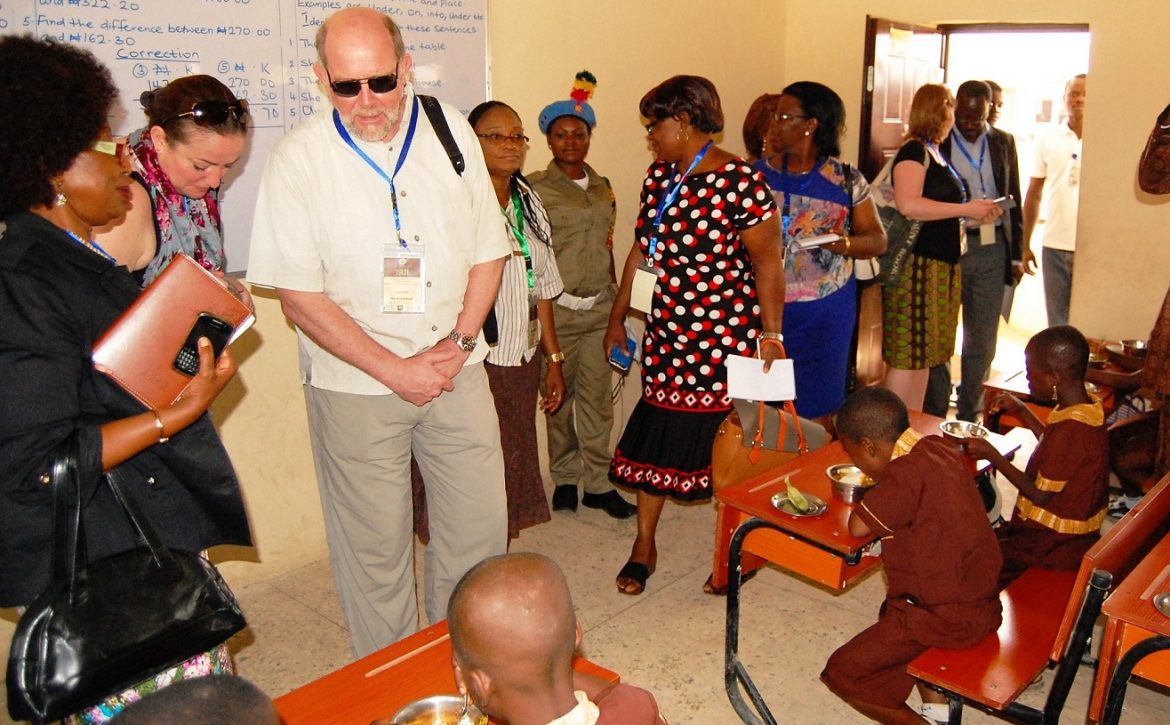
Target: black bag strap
[(849, 195), (69, 557), (439, 122)]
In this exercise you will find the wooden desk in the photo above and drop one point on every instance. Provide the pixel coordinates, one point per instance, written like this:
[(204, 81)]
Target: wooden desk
[(749, 531), (819, 548), (1130, 618), (1016, 383), (377, 685)]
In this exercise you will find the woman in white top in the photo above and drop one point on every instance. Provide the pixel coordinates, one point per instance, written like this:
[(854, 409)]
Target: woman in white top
[(523, 314)]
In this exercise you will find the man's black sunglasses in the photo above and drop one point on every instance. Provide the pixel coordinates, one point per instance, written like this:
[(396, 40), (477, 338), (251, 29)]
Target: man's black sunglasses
[(213, 113), (377, 84)]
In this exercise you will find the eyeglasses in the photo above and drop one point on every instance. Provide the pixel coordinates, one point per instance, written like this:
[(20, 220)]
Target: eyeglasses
[(786, 116), (116, 148), (376, 84), (501, 138), (213, 113)]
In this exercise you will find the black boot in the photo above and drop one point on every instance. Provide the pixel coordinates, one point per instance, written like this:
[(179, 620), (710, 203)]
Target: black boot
[(564, 498)]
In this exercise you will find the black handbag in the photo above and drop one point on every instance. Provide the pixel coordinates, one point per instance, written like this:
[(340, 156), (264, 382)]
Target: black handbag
[(106, 625)]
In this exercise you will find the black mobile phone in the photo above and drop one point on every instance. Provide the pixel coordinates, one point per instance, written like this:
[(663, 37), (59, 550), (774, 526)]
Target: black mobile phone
[(209, 326)]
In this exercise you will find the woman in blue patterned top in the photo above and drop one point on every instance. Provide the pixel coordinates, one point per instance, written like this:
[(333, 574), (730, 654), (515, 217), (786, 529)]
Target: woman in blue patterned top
[(818, 195)]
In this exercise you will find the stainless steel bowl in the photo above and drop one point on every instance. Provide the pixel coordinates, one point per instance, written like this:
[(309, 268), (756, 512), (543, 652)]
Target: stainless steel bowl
[(437, 710), (1134, 348), (848, 481), (960, 429)]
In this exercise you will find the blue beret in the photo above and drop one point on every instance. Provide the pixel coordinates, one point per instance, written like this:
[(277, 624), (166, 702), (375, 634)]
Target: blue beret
[(567, 107)]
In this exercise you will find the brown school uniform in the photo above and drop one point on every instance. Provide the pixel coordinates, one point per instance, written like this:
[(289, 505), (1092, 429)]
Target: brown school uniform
[(625, 704), (941, 563), (1072, 461)]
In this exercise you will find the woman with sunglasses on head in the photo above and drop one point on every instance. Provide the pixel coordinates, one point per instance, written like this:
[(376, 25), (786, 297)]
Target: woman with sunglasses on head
[(62, 176), (706, 256), (818, 195), (195, 132)]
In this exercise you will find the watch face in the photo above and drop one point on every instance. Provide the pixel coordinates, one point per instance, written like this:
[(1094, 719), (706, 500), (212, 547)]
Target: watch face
[(466, 343)]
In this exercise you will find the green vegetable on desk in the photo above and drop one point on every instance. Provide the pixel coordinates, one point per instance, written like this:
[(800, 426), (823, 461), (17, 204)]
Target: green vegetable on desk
[(796, 498)]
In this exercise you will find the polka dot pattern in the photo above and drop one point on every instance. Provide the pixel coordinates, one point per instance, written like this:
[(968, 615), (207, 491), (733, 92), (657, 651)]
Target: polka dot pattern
[(705, 304)]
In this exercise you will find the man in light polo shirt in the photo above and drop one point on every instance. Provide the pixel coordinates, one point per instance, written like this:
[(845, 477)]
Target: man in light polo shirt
[(387, 262), (1056, 175)]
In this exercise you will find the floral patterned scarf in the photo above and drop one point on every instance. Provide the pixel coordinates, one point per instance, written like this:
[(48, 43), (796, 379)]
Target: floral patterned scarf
[(184, 226)]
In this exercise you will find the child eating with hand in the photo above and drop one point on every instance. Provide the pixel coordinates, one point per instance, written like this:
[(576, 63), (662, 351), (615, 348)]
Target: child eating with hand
[(1064, 490), (939, 553)]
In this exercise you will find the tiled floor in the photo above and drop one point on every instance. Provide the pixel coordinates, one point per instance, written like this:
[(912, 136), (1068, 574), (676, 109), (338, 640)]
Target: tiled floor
[(669, 640)]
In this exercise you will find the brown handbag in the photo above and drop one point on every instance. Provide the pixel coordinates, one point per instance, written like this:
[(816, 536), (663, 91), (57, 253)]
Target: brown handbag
[(756, 437)]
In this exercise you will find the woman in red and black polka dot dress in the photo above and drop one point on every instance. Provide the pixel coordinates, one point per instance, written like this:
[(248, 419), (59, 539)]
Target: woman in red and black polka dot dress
[(708, 243)]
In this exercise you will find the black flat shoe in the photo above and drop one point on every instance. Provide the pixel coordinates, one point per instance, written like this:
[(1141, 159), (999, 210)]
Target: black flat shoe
[(564, 498), (611, 503)]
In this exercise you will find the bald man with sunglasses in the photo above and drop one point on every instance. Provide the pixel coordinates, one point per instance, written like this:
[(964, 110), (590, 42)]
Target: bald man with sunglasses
[(387, 261)]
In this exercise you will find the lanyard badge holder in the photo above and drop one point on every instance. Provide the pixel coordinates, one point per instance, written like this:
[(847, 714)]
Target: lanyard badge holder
[(403, 266), (646, 274)]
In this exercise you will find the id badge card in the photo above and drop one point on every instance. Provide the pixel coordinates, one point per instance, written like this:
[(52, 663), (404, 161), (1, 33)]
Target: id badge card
[(986, 234), (403, 279), (642, 289), (533, 326)]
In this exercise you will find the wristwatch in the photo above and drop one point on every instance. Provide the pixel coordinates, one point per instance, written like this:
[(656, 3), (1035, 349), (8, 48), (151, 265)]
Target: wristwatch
[(555, 357), (466, 343)]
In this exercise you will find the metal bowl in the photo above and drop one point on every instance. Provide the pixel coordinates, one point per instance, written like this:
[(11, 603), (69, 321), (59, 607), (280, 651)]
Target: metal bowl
[(437, 710), (1134, 348), (960, 429), (848, 481), (1098, 360)]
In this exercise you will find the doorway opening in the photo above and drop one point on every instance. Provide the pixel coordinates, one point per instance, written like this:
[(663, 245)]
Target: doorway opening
[(1032, 64)]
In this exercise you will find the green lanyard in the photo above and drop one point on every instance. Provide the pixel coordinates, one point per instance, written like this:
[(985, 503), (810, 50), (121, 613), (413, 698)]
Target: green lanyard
[(518, 231)]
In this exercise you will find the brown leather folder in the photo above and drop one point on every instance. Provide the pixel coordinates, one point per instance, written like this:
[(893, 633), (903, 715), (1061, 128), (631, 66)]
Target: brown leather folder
[(143, 351)]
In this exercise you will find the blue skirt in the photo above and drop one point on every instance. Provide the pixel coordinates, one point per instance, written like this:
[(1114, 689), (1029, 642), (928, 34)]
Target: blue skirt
[(817, 336)]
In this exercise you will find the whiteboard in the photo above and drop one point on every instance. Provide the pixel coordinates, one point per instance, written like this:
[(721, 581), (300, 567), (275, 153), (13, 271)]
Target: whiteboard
[(262, 50)]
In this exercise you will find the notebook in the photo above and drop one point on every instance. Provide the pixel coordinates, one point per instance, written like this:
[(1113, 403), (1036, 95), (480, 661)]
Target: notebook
[(149, 350)]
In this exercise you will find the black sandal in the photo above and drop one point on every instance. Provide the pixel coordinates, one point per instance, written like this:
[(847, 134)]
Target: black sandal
[(637, 572)]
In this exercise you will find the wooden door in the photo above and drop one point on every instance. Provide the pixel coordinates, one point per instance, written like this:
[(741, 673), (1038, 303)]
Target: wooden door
[(899, 57)]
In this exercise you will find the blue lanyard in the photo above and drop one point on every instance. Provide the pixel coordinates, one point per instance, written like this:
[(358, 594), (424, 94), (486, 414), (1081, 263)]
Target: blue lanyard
[(957, 141), (91, 245), (790, 189), (397, 166), (958, 179), (668, 200)]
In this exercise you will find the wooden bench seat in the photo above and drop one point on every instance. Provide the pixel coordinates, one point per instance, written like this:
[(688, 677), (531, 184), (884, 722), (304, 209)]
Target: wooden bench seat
[(993, 673)]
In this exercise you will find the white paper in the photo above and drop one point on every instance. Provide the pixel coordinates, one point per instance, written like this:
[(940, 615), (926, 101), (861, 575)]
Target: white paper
[(817, 241), (746, 379)]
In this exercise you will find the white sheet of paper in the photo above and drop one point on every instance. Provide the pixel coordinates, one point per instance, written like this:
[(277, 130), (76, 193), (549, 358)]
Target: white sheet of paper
[(818, 240), (746, 379)]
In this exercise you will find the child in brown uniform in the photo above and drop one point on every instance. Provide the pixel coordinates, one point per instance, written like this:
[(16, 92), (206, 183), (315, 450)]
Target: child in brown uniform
[(938, 548), (1064, 491)]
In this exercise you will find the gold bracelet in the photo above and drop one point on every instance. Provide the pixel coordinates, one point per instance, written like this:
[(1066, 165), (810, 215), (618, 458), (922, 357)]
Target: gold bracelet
[(555, 357), (771, 336), (158, 423), (846, 238)]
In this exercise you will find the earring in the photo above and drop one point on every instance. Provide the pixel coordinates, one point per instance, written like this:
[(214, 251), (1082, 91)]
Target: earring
[(1054, 391), (806, 133), (59, 199)]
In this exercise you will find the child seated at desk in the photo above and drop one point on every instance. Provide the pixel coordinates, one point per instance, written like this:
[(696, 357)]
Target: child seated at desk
[(1064, 491), (513, 634), (939, 553)]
